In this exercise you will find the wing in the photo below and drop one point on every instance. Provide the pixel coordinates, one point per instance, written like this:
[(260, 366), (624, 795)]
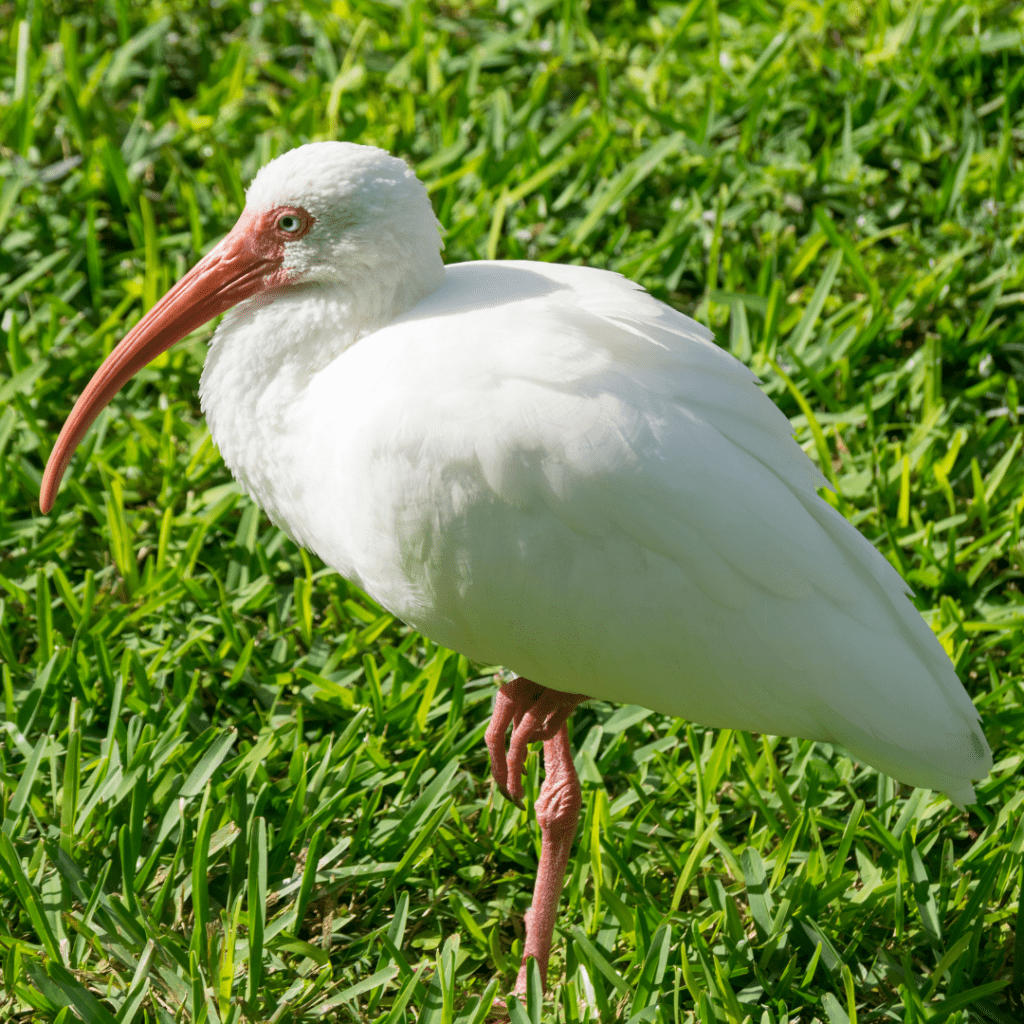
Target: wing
[(573, 480)]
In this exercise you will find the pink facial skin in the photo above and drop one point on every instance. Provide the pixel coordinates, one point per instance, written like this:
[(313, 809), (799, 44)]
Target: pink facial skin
[(249, 260)]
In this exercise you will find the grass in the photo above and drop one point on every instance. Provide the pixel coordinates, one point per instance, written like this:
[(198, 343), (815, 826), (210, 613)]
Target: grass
[(235, 789)]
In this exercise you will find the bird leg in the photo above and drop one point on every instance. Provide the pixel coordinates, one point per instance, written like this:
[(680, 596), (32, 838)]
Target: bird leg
[(558, 813), (537, 713)]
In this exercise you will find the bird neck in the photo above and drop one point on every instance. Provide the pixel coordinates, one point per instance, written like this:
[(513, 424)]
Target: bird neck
[(266, 352)]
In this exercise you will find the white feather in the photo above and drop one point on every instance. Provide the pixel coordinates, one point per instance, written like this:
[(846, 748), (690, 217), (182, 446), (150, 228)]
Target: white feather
[(541, 466)]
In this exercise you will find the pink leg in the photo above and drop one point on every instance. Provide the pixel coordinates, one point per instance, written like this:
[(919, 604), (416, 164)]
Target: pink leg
[(538, 713), (558, 813)]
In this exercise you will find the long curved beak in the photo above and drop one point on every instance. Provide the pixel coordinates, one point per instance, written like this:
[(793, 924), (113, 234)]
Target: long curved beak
[(236, 269)]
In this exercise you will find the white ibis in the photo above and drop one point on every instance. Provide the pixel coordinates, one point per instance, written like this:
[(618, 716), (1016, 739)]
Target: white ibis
[(542, 466)]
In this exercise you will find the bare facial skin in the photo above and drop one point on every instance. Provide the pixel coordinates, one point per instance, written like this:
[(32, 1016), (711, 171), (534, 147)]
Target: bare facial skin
[(249, 260)]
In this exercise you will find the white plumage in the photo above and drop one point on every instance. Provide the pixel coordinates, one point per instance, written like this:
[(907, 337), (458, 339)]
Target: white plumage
[(544, 467), (541, 466)]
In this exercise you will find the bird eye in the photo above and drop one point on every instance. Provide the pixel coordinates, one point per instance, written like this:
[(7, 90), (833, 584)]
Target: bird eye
[(290, 223)]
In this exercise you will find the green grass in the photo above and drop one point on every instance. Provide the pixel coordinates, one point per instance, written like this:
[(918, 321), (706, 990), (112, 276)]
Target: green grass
[(235, 789)]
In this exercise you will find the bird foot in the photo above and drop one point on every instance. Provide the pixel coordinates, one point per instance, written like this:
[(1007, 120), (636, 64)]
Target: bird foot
[(536, 714)]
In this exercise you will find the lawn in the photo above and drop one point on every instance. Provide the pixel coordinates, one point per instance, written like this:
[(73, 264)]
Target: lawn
[(233, 788)]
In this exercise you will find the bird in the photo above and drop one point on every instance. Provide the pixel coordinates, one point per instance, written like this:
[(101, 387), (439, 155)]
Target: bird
[(543, 467)]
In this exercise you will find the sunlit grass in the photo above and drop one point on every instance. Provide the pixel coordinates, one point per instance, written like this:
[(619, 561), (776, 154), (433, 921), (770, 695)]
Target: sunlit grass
[(232, 786)]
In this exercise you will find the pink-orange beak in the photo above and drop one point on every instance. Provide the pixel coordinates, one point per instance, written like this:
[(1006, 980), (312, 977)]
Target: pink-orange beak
[(248, 260)]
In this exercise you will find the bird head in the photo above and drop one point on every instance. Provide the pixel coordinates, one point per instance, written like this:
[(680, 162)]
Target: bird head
[(327, 213), (334, 212)]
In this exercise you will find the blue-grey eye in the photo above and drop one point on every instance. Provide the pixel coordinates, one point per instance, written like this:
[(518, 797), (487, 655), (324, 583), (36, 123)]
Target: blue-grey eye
[(290, 223)]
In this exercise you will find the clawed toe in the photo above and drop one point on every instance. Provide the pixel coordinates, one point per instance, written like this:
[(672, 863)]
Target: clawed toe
[(521, 704), (536, 714), (504, 791)]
